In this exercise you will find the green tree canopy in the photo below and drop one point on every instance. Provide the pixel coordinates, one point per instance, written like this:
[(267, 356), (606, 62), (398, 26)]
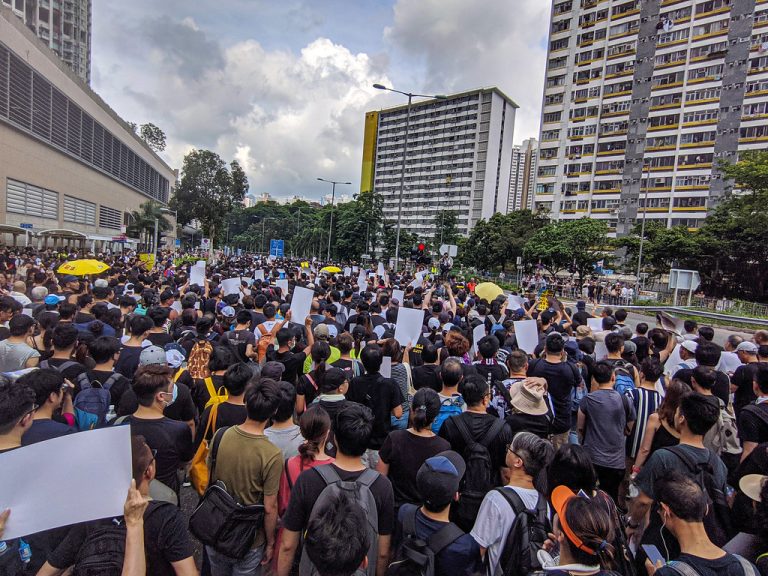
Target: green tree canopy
[(497, 242), (559, 245)]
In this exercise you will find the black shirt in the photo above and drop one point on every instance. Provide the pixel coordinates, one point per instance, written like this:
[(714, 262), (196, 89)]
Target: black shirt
[(46, 429), (427, 376), (160, 338), (753, 423), (294, 364), (580, 318), (561, 378), (227, 415), (381, 395), (722, 387), (166, 539), (405, 453), (128, 360), (308, 387), (199, 389), (173, 442), (478, 425), (539, 425), (742, 380), (310, 484), (70, 373)]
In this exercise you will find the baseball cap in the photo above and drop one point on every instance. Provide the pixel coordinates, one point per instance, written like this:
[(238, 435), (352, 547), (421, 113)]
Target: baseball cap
[(273, 370), (439, 477), (691, 346), (68, 278), (152, 355), (433, 324), (101, 283), (174, 358), (333, 332), (630, 347), (748, 347), (51, 300), (228, 312), (321, 332)]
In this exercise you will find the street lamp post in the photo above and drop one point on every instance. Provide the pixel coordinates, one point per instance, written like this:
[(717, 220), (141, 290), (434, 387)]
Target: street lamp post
[(402, 164), (157, 225), (642, 228), (264, 230), (333, 197)]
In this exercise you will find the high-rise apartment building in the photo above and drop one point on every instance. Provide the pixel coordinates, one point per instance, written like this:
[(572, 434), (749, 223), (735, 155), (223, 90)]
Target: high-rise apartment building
[(522, 175), (64, 25), (458, 158), (649, 93)]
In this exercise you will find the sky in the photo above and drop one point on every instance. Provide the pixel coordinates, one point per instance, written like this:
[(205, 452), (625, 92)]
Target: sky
[(283, 86)]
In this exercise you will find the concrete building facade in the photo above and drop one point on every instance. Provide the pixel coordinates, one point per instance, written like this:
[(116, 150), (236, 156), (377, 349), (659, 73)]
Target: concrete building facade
[(648, 97), (71, 169), (64, 26), (458, 158), (522, 175)]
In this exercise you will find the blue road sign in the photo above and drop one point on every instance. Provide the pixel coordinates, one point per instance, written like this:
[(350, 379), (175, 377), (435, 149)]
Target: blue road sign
[(277, 248), (26, 226)]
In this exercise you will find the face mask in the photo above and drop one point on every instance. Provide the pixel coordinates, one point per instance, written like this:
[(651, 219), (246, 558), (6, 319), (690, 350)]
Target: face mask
[(174, 395)]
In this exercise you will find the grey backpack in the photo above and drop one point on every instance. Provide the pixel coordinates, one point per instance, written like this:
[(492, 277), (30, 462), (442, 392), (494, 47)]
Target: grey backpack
[(359, 491)]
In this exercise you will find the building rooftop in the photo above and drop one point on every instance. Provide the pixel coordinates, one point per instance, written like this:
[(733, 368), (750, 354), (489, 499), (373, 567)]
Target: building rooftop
[(450, 97)]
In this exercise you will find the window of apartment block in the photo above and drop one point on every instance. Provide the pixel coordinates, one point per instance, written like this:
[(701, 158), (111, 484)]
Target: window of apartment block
[(21, 198), (701, 115), (703, 94), (711, 5), (697, 137), (79, 211), (672, 36)]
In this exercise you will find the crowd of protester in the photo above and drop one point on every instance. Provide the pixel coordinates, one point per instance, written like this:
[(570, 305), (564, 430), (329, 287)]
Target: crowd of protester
[(625, 450)]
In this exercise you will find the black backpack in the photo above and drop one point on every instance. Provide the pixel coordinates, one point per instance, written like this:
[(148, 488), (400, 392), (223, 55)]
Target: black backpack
[(103, 549), (414, 556), (526, 537), (717, 521), (479, 477)]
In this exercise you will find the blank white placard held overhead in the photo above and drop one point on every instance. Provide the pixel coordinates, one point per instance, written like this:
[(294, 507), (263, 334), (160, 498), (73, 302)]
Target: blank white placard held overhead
[(399, 295), (301, 304), (409, 324), (258, 275), (283, 285), (527, 335), (596, 324), (197, 274), (478, 333), (98, 474), (231, 286)]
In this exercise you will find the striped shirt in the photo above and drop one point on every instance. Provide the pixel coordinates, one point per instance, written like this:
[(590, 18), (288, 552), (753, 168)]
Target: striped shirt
[(646, 402)]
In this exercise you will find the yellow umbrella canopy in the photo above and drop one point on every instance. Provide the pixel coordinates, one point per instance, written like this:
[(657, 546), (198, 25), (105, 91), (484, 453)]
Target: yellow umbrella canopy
[(331, 269), (488, 291), (83, 267)]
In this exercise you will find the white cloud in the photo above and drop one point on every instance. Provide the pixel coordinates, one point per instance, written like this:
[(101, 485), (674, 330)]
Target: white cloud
[(463, 45)]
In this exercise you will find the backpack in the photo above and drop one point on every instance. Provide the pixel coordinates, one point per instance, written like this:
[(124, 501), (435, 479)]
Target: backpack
[(625, 381), (414, 556), (103, 549), (216, 396), (45, 364), (526, 537), (358, 490), (199, 356), (687, 570), (93, 401), (479, 477), (239, 345), (717, 521), (266, 340), (723, 437), (448, 407)]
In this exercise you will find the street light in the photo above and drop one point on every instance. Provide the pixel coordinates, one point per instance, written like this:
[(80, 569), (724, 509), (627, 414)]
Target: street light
[(333, 197), (163, 210), (263, 230), (405, 150)]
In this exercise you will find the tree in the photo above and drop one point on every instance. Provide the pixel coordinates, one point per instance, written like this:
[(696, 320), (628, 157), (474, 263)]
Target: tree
[(153, 136), (208, 191), (663, 248), (496, 243), (142, 222), (560, 245), (446, 228), (750, 173), (389, 241)]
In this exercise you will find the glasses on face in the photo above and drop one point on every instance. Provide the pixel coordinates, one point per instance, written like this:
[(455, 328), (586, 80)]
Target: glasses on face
[(154, 458), (30, 411)]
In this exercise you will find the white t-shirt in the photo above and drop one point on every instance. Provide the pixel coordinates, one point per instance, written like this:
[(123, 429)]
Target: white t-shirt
[(495, 519), (268, 325), (729, 361)]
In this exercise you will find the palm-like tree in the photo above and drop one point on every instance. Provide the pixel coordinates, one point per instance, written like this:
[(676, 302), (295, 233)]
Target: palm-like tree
[(142, 223)]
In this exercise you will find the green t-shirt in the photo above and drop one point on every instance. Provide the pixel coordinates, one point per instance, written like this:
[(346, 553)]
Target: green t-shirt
[(250, 466)]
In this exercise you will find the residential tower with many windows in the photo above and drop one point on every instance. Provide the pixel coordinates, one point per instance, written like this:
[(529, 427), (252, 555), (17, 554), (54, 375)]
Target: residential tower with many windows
[(643, 99), (458, 156)]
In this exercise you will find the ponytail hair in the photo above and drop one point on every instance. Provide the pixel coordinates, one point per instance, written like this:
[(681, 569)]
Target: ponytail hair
[(425, 407), (314, 425), (593, 525)]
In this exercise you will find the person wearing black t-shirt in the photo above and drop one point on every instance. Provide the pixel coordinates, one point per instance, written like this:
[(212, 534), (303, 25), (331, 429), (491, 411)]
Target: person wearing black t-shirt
[(354, 426), (232, 411), (562, 377), (64, 340), (285, 354), (708, 354), (129, 354), (753, 418), (51, 395), (428, 374), (167, 545), (157, 334), (155, 390), (105, 351)]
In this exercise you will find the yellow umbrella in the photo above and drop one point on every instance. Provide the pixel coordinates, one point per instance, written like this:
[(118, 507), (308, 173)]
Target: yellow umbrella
[(83, 267), (305, 264), (488, 291), (331, 269)]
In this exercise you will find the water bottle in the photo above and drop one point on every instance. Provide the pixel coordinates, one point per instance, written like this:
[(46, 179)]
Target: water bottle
[(3, 547), (25, 552), (111, 414)]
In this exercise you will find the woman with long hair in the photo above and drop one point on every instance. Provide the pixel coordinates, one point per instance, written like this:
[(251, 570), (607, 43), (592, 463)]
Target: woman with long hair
[(309, 384), (401, 374), (404, 451)]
